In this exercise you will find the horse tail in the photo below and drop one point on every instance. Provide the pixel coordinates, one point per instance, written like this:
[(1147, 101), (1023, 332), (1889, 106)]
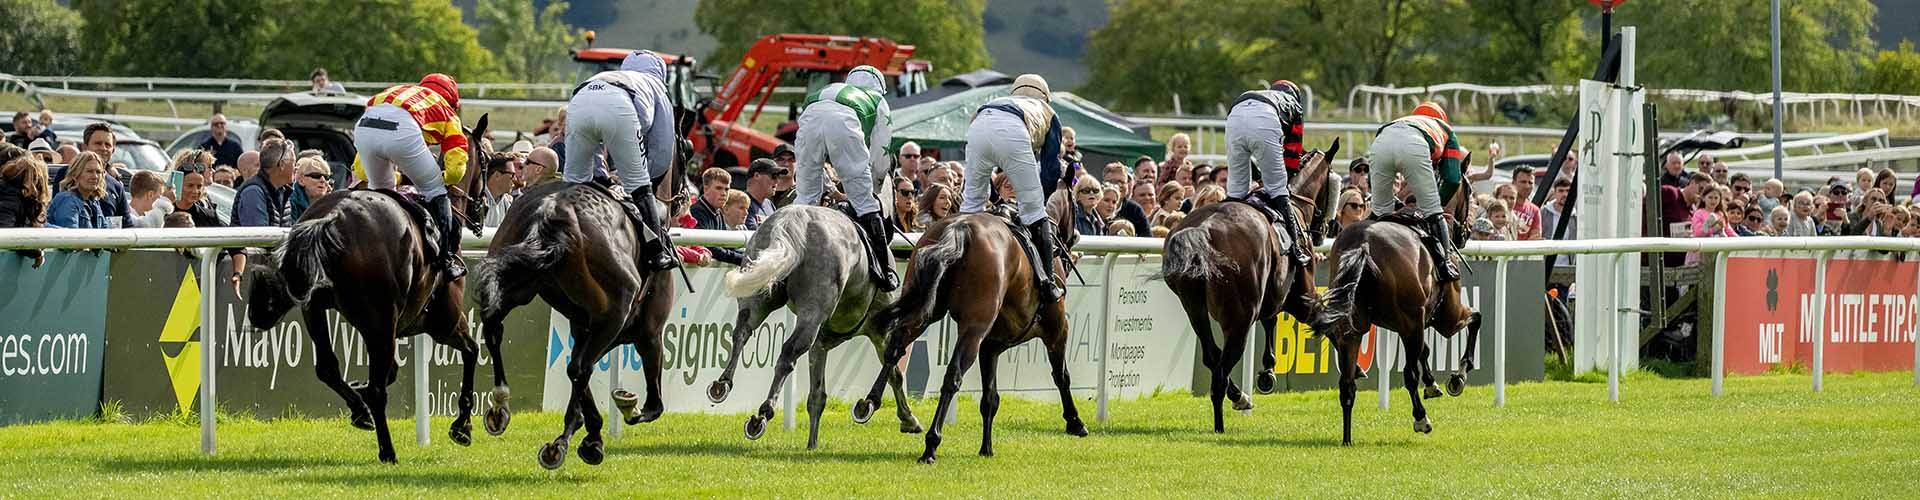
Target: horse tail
[(770, 264), (1189, 255), (543, 247), (1355, 264), (930, 265), (303, 258)]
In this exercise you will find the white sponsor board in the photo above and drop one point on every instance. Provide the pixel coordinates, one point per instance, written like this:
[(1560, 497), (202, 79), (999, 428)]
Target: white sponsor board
[(1146, 335)]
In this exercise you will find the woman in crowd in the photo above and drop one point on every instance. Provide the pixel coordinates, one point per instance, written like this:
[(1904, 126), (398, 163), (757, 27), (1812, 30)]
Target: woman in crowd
[(82, 199), (1207, 196), (1352, 209), (906, 212), (937, 202), (24, 192)]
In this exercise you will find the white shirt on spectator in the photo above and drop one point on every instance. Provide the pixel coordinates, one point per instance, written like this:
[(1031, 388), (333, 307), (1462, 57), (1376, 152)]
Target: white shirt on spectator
[(155, 218)]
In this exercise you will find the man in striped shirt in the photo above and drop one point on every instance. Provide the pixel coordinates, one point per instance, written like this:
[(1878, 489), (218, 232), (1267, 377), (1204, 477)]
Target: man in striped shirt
[(394, 133)]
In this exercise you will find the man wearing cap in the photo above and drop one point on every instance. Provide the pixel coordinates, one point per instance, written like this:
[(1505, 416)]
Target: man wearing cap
[(1020, 135), (783, 192), (761, 177), (394, 133), (1422, 148), (847, 125), (40, 149), (626, 113), (1265, 130)]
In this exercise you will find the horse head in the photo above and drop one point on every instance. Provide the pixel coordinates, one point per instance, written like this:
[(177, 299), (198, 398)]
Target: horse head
[(471, 202), (1460, 206), (1311, 195)]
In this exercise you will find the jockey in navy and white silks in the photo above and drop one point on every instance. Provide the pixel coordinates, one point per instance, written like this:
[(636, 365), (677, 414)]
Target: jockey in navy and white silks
[(1265, 130), (848, 125), (1019, 135), (627, 114)]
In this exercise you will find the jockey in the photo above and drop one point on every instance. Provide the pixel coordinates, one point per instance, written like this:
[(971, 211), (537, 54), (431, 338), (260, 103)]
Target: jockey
[(627, 112), (1420, 147), (1266, 128), (847, 124), (1020, 135), (396, 129)]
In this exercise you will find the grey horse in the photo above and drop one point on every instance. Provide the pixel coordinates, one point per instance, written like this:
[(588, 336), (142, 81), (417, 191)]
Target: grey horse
[(809, 259)]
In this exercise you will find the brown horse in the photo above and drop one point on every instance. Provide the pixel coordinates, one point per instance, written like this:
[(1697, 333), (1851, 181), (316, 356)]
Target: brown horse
[(1387, 264), (1226, 264), (573, 246), (973, 267), (361, 252)]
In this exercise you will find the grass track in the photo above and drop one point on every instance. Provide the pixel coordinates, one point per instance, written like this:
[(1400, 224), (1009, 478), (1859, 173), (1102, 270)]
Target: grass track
[(1770, 437)]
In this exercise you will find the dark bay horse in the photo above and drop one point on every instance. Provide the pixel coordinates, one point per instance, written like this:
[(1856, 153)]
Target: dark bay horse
[(361, 252), (573, 246), (1386, 278), (811, 260), (972, 267), (1227, 266)]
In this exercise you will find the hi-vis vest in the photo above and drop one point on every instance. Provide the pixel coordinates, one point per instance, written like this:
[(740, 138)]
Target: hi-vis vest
[(864, 103)]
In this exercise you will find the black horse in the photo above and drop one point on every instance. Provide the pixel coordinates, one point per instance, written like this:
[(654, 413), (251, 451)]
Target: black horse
[(364, 253), (573, 246)]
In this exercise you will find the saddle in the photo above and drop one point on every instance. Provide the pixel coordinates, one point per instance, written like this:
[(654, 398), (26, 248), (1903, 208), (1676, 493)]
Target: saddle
[(604, 185), (846, 208), (1259, 201), (1407, 219), (1010, 215), (416, 208)]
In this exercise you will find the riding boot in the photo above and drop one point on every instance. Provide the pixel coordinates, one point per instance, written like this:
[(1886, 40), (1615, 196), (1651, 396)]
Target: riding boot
[(442, 208), (1442, 247), (879, 259), (1044, 244), (655, 254), (1294, 235)]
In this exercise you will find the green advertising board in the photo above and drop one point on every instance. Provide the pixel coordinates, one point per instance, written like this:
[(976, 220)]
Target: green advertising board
[(52, 335), (153, 363)]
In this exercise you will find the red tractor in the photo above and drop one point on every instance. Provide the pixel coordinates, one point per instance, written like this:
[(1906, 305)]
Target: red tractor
[(715, 128)]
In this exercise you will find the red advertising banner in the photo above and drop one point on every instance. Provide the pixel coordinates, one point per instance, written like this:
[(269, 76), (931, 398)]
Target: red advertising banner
[(1871, 313)]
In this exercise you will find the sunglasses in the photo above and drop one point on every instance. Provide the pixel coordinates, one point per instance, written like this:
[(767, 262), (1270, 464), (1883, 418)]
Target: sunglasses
[(910, 156), (1089, 191), (319, 176), (908, 191), (1355, 206)]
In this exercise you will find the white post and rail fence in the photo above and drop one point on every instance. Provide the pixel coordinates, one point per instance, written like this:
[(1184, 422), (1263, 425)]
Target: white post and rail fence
[(1623, 341)]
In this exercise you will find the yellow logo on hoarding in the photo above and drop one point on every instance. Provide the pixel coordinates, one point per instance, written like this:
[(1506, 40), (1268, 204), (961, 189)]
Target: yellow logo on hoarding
[(183, 318)]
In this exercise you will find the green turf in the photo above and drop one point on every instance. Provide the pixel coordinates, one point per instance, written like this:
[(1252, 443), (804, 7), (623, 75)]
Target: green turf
[(1769, 437)]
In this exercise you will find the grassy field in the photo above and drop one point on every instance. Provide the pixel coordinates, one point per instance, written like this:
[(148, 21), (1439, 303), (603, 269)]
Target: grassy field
[(1770, 437)]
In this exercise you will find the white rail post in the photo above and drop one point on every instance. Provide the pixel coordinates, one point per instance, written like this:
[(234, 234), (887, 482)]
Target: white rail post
[(1499, 333), (616, 420), (209, 344), (1719, 323), (1100, 395), (1820, 318), (1615, 363), (1382, 367), (422, 356)]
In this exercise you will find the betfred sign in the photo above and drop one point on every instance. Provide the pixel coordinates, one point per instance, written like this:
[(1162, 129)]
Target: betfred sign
[(1871, 313)]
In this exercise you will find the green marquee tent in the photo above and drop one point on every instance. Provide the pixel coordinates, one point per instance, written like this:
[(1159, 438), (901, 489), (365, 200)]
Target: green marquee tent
[(1100, 135)]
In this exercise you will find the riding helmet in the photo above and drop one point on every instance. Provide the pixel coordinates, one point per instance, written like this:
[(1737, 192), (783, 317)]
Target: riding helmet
[(442, 84)]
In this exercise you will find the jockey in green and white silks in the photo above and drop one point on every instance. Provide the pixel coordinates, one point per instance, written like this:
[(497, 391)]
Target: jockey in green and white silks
[(847, 124)]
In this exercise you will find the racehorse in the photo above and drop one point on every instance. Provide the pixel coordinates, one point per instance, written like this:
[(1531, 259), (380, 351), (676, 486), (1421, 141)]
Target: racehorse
[(1226, 264), (363, 253), (573, 246), (811, 260), (1387, 264), (973, 267)]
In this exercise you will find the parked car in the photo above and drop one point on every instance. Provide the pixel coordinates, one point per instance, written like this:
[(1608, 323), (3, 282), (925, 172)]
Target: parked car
[(322, 122)]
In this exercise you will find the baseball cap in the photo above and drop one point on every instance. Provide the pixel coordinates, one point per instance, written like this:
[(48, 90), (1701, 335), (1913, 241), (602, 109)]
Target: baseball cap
[(782, 149), (39, 145), (766, 166)]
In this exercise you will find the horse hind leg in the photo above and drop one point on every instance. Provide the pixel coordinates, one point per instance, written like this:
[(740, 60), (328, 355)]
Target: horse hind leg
[(1057, 357), (381, 369), (1411, 343), (896, 342), (326, 366), (989, 397), (966, 351), (1209, 355), (816, 393), (461, 432), (1265, 380), (897, 381), (590, 342)]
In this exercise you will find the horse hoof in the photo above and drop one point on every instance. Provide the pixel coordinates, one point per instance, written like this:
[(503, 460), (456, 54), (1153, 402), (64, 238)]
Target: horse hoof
[(592, 452), (926, 459), (497, 419), (910, 426), (863, 411), (626, 401), (756, 427), (1265, 382), (717, 392), (1456, 385), (552, 455), (1422, 426), (986, 452), (1077, 428), (362, 421), (1430, 392), (387, 457), (1244, 404), (461, 434)]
